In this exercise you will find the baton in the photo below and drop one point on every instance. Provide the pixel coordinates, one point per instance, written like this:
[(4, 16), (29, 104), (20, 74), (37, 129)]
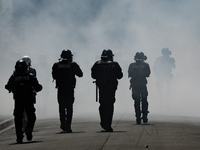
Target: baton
[(96, 91)]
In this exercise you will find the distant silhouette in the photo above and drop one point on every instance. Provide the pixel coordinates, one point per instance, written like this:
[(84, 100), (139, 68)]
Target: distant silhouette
[(163, 70), (138, 71)]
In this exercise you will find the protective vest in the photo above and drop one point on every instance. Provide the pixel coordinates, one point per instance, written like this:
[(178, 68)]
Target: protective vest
[(23, 85), (106, 73), (63, 74), (138, 73)]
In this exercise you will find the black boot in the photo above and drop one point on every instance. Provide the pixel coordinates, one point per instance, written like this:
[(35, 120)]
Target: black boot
[(28, 133), (19, 139), (145, 119), (68, 128), (138, 120), (145, 110)]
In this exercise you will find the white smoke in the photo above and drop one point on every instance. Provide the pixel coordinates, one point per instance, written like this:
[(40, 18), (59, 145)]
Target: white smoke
[(87, 27)]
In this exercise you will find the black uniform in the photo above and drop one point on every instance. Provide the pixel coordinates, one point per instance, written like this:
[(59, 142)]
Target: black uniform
[(33, 71), (64, 73), (22, 85), (106, 74), (139, 71)]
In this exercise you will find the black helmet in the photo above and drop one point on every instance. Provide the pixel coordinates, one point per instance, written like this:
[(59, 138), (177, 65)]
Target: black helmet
[(139, 56), (21, 66), (66, 54), (166, 51), (107, 54)]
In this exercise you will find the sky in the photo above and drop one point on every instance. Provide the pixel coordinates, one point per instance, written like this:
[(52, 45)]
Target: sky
[(41, 29)]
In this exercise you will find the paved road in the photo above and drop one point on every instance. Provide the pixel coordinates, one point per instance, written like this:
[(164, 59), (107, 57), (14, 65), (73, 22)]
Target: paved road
[(162, 133), (2, 118)]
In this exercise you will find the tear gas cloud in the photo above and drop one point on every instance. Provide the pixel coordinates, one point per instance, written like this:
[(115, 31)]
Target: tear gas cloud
[(42, 29)]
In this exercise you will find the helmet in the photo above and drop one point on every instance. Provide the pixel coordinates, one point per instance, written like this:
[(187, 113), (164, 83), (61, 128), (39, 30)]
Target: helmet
[(166, 51), (27, 59), (21, 66), (108, 54), (66, 54), (140, 56)]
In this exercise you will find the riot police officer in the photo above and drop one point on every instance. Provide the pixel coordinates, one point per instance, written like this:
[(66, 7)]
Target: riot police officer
[(163, 70), (138, 72), (106, 72), (64, 73), (21, 84)]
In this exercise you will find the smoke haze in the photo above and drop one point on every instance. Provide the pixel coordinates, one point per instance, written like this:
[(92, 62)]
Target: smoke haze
[(41, 29)]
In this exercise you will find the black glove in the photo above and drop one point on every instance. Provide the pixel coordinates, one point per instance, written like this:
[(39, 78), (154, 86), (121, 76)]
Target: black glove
[(8, 88), (38, 88)]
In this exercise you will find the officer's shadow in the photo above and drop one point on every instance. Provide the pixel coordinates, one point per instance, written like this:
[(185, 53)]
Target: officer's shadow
[(103, 131), (62, 132), (144, 124), (28, 142)]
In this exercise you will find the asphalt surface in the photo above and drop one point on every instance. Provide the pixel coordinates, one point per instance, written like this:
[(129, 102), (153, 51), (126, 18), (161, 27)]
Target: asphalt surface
[(161, 133)]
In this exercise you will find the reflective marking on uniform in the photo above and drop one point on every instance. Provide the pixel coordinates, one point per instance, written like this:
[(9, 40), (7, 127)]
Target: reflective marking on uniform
[(22, 78), (136, 66), (64, 66)]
